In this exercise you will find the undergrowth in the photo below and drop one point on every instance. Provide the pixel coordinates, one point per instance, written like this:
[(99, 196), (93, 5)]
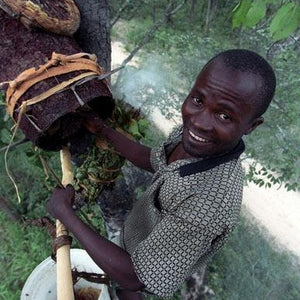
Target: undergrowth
[(249, 267), (22, 249)]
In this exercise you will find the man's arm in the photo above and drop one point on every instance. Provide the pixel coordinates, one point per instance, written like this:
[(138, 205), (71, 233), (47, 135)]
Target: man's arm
[(112, 259), (135, 152)]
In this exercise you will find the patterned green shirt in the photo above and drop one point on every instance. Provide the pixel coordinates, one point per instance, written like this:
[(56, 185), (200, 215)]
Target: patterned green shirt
[(184, 217)]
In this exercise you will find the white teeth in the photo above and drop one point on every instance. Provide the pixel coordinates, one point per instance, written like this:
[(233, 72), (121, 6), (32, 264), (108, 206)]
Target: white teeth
[(198, 138)]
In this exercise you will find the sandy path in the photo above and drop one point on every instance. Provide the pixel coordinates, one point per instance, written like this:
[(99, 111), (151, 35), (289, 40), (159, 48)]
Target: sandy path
[(117, 54), (278, 211)]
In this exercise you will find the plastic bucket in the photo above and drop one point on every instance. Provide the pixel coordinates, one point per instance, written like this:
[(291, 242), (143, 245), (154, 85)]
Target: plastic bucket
[(41, 284)]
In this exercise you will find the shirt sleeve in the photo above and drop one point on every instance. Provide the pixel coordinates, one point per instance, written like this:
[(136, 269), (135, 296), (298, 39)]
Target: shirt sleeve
[(165, 258), (155, 157)]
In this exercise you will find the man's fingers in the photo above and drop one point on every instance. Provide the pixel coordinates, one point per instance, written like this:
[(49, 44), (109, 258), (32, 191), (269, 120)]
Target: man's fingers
[(89, 115), (70, 190)]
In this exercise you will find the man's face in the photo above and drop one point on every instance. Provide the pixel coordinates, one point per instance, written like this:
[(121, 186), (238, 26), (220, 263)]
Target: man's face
[(218, 110)]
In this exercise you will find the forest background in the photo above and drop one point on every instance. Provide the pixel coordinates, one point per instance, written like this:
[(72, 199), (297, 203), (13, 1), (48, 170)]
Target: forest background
[(172, 48)]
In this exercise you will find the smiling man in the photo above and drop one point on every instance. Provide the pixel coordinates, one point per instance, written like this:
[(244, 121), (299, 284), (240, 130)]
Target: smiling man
[(193, 202)]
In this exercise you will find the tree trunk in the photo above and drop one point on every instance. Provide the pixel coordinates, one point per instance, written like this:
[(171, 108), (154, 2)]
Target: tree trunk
[(195, 288), (192, 8), (94, 32), (208, 14), (116, 201)]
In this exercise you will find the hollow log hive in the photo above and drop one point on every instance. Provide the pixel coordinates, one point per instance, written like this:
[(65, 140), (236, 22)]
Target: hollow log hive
[(53, 122)]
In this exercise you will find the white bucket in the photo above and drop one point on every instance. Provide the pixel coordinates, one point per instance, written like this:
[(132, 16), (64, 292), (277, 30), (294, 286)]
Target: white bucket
[(41, 284)]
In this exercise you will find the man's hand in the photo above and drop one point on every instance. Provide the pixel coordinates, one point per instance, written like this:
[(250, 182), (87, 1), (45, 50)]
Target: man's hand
[(135, 152), (61, 201), (112, 259), (93, 123)]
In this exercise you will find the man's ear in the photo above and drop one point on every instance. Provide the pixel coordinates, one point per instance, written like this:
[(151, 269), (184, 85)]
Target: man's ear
[(256, 122)]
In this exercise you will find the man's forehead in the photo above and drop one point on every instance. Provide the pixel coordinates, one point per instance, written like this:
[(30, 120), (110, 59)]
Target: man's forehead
[(217, 66), (237, 89), (219, 74)]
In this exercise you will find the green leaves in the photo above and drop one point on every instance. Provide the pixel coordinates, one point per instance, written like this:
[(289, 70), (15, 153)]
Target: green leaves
[(137, 128), (285, 20), (2, 97), (5, 136), (256, 12), (248, 13), (239, 13)]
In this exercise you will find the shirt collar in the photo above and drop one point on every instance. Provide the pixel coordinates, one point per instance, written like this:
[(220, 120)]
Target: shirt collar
[(209, 163)]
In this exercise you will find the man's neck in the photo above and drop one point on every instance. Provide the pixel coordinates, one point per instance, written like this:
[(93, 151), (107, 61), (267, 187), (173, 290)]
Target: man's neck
[(177, 154)]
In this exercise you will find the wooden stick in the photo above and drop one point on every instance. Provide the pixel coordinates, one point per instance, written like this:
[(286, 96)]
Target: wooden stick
[(63, 261)]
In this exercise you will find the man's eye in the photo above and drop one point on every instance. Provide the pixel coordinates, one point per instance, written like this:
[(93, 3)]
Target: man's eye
[(224, 117), (197, 100)]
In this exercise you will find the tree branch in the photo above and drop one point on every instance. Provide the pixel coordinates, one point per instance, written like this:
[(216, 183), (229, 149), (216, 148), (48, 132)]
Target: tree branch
[(11, 146), (147, 37), (175, 10), (119, 13), (150, 33), (279, 45)]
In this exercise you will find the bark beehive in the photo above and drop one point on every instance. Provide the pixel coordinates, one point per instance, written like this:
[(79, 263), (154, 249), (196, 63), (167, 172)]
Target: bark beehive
[(54, 121)]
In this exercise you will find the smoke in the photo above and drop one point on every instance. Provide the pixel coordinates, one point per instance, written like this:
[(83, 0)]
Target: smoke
[(155, 88)]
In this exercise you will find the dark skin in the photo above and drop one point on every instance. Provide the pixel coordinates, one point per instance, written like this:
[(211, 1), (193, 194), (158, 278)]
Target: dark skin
[(113, 260), (216, 114), (218, 110)]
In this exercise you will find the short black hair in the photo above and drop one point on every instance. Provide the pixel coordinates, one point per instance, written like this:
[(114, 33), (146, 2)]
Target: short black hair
[(248, 61)]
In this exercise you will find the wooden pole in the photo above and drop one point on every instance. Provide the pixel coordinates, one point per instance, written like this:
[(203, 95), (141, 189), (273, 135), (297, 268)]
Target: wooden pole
[(63, 261)]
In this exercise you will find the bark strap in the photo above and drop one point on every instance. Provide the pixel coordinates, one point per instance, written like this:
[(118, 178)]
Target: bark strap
[(58, 242), (58, 64)]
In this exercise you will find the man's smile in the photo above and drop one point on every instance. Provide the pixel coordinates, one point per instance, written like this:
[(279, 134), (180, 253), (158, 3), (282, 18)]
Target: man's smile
[(198, 138)]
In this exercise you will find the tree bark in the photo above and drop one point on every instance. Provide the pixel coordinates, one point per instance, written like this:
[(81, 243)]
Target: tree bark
[(195, 288), (208, 14), (93, 34), (192, 8)]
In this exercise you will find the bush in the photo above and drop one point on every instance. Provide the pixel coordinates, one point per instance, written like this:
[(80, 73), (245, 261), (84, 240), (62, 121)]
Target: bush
[(22, 249), (248, 267)]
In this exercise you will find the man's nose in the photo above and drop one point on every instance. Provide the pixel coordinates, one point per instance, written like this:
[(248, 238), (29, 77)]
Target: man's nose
[(203, 120)]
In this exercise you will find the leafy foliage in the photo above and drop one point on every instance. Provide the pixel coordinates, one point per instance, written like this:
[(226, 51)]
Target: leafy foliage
[(284, 21), (22, 248), (276, 142), (249, 268), (248, 13), (101, 166)]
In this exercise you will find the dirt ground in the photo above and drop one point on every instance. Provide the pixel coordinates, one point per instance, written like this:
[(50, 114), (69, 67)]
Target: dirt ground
[(276, 210)]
